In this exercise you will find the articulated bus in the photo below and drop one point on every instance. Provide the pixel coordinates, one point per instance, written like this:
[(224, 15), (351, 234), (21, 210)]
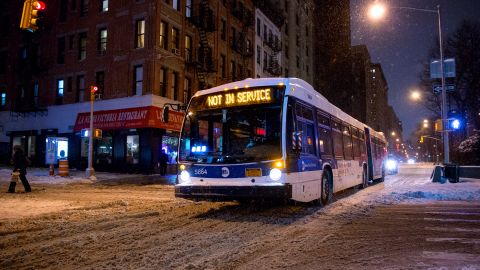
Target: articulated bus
[(273, 138)]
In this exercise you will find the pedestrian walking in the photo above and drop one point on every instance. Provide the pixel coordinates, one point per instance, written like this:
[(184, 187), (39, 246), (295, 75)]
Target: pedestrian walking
[(20, 163), (163, 162)]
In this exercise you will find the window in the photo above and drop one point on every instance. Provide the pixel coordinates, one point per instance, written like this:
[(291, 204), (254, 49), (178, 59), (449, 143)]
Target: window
[(308, 137), (286, 51), (175, 39), (337, 139), (35, 94), (259, 54), (163, 35), (63, 11), (187, 90), (356, 143), (222, 65), (188, 48), (298, 61), (176, 4), (3, 100), (102, 41), (188, 8), (259, 27), (83, 7), (347, 142), (265, 32), (60, 86), (73, 5), (175, 85), (61, 50), (163, 84), (140, 33), (138, 79), (223, 29), (104, 6), (80, 88), (325, 140), (362, 143), (100, 83), (82, 46), (132, 156)]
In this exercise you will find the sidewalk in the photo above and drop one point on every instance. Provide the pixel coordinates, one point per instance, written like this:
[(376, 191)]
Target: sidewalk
[(41, 175)]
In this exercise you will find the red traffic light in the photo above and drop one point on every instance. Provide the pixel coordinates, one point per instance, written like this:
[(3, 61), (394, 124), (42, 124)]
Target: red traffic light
[(93, 88), (38, 5)]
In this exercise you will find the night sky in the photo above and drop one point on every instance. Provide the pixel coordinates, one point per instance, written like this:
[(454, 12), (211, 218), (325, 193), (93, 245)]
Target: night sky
[(401, 43)]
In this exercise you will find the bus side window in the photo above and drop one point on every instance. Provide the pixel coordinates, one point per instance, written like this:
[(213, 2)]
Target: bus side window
[(308, 137), (362, 143), (324, 134), (337, 139), (347, 142), (356, 143)]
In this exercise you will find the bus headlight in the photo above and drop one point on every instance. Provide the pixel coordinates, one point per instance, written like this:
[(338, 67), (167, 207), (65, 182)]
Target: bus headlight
[(275, 174), (184, 177)]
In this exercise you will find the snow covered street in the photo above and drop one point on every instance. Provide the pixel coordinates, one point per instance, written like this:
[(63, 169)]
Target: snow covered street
[(406, 222)]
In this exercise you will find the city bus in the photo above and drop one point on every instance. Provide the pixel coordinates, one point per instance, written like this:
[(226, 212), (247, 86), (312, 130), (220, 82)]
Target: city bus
[(273, 139)]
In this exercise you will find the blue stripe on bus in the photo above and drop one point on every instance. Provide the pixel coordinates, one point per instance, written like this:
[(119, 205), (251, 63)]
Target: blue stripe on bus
[(227, 171)]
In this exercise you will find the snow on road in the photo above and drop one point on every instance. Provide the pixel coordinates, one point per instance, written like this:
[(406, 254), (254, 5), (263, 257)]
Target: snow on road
[(77, 224)]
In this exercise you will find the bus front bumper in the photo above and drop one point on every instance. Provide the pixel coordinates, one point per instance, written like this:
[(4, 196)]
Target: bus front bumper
[(230, 193)]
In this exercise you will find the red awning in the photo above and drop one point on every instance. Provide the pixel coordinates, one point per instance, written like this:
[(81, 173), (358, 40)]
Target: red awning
[(141, 117)]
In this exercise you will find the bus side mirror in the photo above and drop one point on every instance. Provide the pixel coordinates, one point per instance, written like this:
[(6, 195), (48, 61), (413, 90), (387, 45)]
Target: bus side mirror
[(165, 113)]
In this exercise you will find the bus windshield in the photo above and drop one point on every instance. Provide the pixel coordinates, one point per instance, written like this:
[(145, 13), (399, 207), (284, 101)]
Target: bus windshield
[(233, 127)]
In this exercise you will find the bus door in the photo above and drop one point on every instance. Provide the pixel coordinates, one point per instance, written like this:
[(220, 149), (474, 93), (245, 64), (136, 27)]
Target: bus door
[(301, 139), (368, 143)]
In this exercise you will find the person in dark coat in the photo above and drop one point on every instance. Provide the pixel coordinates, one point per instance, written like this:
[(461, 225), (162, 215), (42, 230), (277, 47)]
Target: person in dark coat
[(20, 164), (163, 159)]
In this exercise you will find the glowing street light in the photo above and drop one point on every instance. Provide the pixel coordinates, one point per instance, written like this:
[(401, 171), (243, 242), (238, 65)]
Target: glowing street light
[(415, 95), (376, 12), (393, 133)]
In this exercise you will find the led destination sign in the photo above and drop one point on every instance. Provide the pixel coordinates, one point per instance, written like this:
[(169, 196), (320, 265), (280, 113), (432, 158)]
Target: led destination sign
[(239, 98)]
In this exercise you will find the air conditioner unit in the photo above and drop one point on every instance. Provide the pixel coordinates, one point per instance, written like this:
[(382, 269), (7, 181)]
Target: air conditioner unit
[(176, 51)]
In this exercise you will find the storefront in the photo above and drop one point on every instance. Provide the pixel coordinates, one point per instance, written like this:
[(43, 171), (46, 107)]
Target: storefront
[(131, 140)]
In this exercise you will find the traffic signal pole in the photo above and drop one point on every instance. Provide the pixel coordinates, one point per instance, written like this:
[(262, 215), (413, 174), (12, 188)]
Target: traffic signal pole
[(446, 145), (90, 172)]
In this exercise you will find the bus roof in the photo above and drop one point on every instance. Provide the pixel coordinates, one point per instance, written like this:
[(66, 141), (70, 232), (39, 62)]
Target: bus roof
[(300, 89)]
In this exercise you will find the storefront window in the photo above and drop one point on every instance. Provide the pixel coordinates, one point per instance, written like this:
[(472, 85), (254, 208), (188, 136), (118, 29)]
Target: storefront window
[(31, 146), (132, 149), (104, 150), (170, 145), (62, 148)]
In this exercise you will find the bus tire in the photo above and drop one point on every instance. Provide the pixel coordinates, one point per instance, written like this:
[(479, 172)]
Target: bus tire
[(364, 178), (327, 188)]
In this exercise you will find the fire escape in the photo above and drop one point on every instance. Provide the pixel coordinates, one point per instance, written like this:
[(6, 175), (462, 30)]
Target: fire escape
[(204, 20), (273, 67), (240, 43)]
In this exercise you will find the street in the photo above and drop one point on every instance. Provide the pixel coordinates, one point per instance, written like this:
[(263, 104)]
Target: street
[(406, 222)]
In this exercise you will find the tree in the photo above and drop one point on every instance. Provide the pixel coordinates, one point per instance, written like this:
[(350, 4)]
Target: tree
[(464, 46)]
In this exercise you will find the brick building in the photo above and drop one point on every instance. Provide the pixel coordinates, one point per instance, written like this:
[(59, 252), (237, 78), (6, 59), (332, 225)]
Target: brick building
[(142, 54)]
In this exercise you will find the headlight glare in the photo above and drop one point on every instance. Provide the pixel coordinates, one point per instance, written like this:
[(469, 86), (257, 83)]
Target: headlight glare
[(275, 174), (184, 177)]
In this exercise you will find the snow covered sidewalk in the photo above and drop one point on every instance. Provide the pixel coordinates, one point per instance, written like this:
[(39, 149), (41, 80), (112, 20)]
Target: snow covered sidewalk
[(41, 176)]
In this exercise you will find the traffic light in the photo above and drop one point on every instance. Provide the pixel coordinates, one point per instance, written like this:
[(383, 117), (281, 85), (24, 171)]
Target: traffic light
[(454, 123), (93, 91), (438, 125), (32, 15)]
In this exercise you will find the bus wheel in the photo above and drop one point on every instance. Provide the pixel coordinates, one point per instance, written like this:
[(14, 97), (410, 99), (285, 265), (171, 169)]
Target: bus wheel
[(327, 188), (364, 178)]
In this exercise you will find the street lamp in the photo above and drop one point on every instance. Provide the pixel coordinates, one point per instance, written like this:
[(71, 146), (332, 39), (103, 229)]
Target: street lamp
[(376, 12), (425, 123), (415, 95), (393, 133)]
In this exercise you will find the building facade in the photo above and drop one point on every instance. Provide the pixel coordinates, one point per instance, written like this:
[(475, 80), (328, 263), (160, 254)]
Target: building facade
[(268, 47), (141, 54)]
